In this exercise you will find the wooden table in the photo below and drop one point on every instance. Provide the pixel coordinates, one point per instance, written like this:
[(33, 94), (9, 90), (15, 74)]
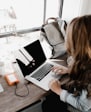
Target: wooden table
[(9, 102)]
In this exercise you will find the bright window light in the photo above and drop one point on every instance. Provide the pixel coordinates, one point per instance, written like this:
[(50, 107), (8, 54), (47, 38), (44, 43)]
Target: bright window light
[(52, 8), (22, 15)]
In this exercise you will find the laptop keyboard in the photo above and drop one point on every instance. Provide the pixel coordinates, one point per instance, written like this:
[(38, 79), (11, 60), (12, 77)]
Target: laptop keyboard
[(42, 72)]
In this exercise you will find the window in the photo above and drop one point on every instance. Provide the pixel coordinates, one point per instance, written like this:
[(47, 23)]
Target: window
[(25, 14), (22, 15), (52, 8)]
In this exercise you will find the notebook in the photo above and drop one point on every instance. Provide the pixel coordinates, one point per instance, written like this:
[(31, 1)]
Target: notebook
[(34, 65)]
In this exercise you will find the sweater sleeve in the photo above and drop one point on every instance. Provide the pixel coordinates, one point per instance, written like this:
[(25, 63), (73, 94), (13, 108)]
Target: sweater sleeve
[(79, 102)]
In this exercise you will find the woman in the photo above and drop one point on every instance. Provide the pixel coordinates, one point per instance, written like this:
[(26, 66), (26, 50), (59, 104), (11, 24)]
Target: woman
[(76, 91)]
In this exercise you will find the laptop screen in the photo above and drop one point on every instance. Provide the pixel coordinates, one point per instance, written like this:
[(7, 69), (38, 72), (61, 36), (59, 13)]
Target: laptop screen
[(30, 57)]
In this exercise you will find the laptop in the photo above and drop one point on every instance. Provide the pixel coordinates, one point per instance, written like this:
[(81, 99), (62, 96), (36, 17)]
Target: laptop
[(34, 65)]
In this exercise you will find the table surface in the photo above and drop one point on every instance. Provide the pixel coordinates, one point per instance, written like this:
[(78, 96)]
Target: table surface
[(9, 102)]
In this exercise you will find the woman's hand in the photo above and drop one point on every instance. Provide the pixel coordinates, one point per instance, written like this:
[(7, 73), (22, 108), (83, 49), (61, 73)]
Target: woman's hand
[(54, 85), (60, 69)]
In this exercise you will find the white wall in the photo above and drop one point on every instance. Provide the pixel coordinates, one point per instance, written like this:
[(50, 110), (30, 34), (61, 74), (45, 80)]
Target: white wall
[(74, 8), (85, 7)]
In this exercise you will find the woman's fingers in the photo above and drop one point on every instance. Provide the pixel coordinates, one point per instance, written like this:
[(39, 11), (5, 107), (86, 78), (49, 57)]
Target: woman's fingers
[(54, 85), (60, 69)]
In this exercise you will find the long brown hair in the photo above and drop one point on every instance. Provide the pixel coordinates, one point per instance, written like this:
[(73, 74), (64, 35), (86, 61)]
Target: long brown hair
[(79, 46)]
